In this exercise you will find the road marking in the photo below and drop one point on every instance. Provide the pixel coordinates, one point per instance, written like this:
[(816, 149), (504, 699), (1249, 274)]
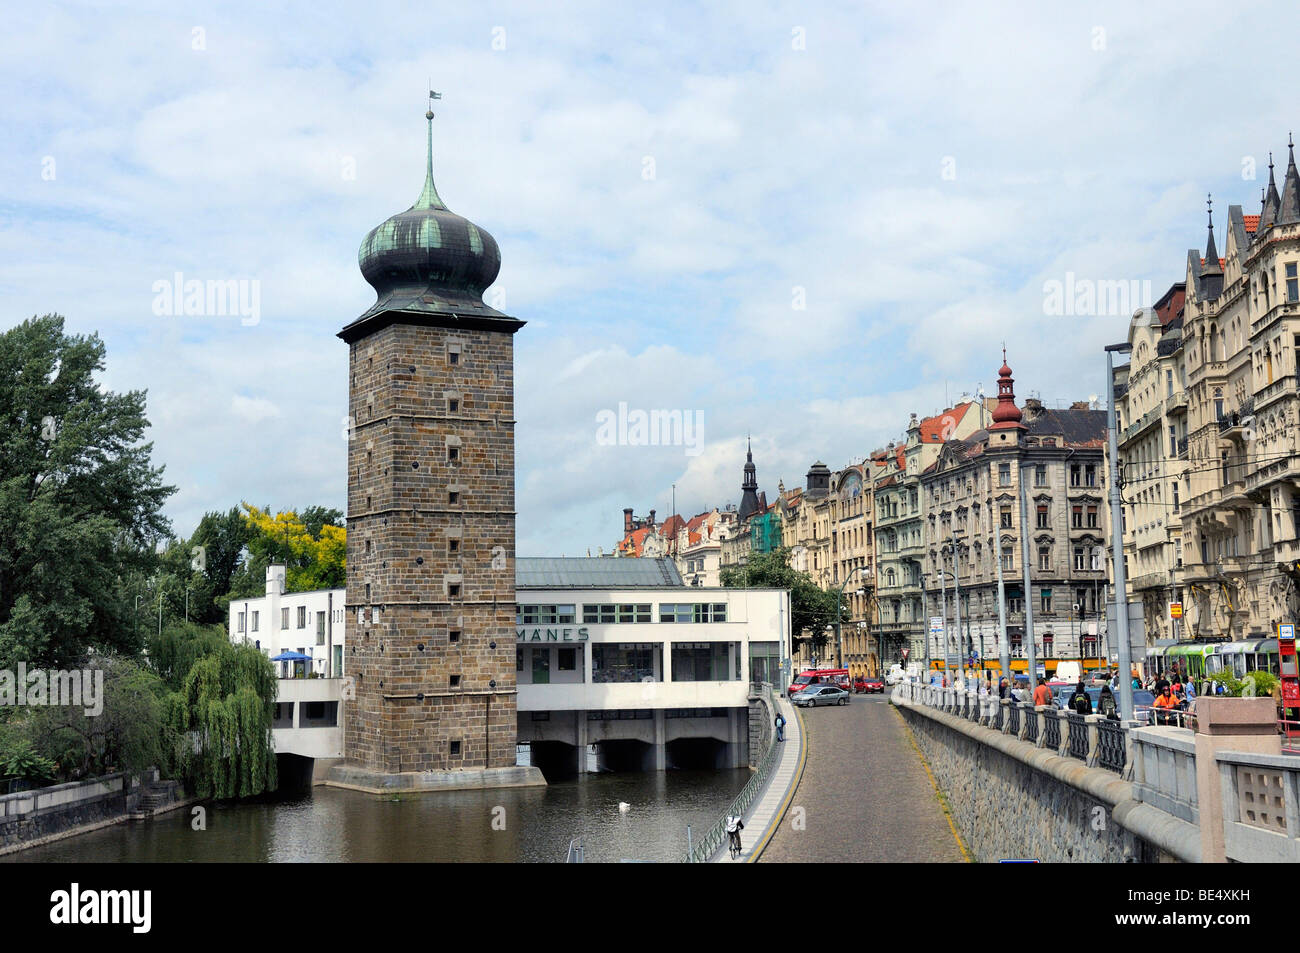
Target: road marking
[(789, 795), (938, 795)]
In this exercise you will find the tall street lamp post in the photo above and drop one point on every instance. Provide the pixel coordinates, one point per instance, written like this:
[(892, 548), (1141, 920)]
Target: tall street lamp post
[(839, 599), (1117, 541)]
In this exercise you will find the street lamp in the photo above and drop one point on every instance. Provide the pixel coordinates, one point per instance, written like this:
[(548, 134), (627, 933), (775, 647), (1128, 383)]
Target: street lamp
[(1117, 540), (839, 599)]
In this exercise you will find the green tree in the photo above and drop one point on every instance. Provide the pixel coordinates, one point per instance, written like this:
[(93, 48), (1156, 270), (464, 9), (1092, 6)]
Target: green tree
[(218, 726), (812, 608), (123, 736), (80, 501), (173, 653)]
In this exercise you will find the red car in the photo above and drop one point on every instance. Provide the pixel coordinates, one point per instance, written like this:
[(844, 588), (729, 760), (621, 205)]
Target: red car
[(871, 683)]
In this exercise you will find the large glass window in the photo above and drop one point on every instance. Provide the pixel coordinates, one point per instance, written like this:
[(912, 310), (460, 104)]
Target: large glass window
[(545, 615), (693, 612), (700, 662), (600, 613), (765, 662), (624, 661)]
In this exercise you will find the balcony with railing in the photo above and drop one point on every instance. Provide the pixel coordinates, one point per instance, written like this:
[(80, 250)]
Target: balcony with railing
[(1176, 403)]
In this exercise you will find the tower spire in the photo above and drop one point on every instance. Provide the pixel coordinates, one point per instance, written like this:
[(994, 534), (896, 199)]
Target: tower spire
[(1211, 251), (429, 197)]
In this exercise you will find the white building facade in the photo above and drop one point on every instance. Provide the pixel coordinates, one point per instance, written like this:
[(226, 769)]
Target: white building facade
[(310, 623)]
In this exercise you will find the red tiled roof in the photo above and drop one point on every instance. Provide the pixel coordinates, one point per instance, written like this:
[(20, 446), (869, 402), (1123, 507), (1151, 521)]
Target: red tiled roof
[(940, 428), (672, 526), (1252, 222)]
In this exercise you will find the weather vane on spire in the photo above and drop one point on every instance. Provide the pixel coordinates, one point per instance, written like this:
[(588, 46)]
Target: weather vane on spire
[(1209, 208), (432, 97)]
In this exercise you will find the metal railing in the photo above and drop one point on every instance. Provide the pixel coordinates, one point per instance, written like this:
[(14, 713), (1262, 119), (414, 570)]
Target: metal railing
[(1112, 748), (1031, 725), (998, 714), (1078, 735), (716, 835), (1051, 729), (1013, 712)]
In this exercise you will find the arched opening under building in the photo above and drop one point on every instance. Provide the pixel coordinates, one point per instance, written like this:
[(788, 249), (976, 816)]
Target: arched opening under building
[(555, 759), (624, 756), (695, 754)]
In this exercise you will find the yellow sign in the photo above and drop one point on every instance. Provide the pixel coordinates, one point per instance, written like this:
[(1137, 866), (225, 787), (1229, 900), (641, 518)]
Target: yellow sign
[(1175, 610)]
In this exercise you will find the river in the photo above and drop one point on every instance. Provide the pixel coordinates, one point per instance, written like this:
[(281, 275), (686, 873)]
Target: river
[(532, 825)]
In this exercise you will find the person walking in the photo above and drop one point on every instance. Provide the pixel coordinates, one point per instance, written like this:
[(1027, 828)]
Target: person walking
[(1042, 694), (1106, 706), (780, 727), (1079, 701)]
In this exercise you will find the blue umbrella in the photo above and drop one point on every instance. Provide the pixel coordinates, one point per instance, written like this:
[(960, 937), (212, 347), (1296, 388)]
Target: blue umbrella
[(291, 657)]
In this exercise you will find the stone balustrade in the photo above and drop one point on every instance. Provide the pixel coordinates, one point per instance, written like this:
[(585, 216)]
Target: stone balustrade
[(1221, 791), (1261, 806)]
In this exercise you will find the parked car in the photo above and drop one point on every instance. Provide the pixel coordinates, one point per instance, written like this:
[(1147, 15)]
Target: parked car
[(820, 695)]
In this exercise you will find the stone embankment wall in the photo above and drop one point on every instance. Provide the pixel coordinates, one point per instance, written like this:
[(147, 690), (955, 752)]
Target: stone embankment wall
[(1013, 800), (33, 815)]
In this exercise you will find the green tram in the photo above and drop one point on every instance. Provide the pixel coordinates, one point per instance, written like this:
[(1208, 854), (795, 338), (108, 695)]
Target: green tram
[(1202, 659)]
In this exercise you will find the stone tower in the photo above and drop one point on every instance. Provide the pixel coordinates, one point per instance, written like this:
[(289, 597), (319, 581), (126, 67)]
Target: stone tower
[(431, 503)]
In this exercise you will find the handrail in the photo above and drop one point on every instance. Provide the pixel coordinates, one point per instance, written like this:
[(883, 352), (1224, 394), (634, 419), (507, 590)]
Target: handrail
[(715, 836)]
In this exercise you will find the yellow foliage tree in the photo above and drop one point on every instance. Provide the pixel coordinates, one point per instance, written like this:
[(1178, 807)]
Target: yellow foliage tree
[(312, 561)]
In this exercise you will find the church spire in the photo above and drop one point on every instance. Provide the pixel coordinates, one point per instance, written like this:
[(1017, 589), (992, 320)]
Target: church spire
[(749, 504)]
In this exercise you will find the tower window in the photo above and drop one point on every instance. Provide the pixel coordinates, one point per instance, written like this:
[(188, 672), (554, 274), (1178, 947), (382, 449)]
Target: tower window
[(453, 545), (453, 589), (455, 749), (453, 636), (453, 496), (455, 681), (453, 454), (453, 405)]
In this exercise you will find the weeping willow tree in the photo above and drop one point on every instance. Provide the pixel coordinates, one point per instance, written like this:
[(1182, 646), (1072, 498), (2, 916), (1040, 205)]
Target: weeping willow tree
[(219, 724)]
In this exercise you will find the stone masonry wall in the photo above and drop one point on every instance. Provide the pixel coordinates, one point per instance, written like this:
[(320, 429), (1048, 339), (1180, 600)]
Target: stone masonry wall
[(1006, 808), (431, 550)]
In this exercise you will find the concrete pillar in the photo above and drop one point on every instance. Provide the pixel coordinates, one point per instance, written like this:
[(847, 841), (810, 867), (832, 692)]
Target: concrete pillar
[(1227, 724), (580, 735), (1042, 725), (1006, 704), (659, 753), (1094, 739)]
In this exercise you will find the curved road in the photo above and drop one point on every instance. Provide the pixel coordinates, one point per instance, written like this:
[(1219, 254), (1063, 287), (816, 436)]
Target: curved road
[(865, 793)]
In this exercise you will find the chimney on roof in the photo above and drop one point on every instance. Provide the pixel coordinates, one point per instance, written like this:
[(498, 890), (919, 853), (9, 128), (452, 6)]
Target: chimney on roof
[(627, 520), (1081, 405), (652, 517)]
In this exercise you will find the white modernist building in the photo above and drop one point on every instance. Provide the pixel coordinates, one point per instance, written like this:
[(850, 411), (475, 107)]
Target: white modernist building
[(616, 653), (620, 654), (310, 623)]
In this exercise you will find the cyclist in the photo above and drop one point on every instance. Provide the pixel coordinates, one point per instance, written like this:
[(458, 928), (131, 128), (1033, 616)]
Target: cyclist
[(734, 826)]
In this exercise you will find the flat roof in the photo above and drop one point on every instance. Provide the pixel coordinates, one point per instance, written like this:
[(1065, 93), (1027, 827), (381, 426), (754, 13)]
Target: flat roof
[(595, 572)]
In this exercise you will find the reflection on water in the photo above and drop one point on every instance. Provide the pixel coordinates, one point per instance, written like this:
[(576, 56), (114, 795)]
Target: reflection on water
[(335, 825)]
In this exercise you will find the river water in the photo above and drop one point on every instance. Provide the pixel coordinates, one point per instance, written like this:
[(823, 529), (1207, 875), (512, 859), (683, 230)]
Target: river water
[(329, 824)]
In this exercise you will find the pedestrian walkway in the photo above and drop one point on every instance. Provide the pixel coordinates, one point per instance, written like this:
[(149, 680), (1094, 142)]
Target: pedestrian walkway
[(765, 813)]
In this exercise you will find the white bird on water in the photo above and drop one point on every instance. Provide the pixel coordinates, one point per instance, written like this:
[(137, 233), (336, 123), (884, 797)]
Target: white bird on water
[(624, 807)]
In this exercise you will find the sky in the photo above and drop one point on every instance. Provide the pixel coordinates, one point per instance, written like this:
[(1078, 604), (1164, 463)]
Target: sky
[(799, 223)]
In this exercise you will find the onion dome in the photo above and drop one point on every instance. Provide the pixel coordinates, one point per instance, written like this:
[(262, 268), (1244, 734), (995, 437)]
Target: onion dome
[(429, 265)]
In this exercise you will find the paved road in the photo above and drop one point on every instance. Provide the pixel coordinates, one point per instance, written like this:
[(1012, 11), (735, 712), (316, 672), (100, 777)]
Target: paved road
[(865, 793)]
